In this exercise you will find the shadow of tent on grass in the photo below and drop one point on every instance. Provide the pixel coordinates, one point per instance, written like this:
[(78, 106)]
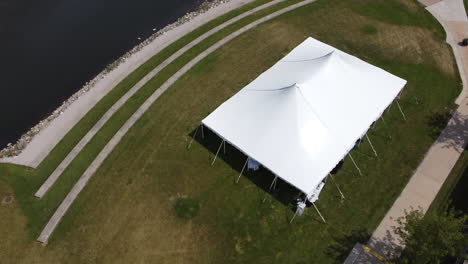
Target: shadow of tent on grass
[(262, 178)]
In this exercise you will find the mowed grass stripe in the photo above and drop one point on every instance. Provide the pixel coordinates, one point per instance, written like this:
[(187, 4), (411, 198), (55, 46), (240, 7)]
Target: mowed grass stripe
[(75, 151), (93, 148)]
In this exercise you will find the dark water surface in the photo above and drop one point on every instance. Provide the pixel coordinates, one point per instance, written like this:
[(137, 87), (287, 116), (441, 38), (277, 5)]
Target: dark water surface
[(50, 48)]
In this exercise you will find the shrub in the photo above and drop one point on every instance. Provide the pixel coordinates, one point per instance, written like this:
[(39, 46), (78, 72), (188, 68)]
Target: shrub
[(187, 208), (369, 29)]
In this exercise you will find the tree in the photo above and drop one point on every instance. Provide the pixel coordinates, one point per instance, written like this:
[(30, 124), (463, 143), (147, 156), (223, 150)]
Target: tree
[(431, 238)]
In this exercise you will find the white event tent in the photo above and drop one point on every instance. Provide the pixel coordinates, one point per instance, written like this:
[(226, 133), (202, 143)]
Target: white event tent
[(302, 116)]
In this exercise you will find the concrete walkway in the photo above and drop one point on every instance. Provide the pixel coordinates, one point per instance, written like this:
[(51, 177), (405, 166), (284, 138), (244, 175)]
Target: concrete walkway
[(431, 174), (43, 143), (78, 187), (85, 140)]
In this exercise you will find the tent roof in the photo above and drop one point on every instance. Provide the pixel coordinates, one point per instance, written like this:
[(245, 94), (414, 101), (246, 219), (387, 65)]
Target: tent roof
[(305, 113)]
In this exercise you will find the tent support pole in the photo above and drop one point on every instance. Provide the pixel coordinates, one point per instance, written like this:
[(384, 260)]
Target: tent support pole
[(295, 213), (359, 170), (401, 111), (372, 146), (245, 164), (194, 135), (338, 187), (319, 213), (202, 132), (217, 152), (273, 183), (224, 146)]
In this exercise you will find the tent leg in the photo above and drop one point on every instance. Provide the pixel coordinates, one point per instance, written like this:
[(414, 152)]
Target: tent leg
[(202, 132), (217, 152), (338, 187), (383, 119), (245, 164), (319, 213), (401, 111), (273, 184), (355, 164), (372, 146), (194, 135), (224, 146)]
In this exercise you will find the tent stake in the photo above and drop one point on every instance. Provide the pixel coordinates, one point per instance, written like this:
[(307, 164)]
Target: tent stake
[(194, 135), (217, 152), (401, 111), (355, 164), (319, 213), (245, 164), (338, 187), (372, 146), (202, 132)]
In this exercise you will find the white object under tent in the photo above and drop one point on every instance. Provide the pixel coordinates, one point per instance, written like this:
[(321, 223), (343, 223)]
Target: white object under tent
[(302, 116)]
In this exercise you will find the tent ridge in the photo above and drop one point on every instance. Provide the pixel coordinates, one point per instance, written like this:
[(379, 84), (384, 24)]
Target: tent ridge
[(316, 58), (270, 90), (320, 119)]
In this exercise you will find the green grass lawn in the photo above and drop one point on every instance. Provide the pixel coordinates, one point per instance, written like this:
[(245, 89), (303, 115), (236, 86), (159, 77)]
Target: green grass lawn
[(126, 213)]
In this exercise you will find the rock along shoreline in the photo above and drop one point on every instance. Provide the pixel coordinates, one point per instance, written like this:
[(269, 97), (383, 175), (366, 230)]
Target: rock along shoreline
[(14, 149)]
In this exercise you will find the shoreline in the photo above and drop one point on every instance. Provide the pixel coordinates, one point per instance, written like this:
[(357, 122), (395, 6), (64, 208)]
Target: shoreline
[(36, 144)]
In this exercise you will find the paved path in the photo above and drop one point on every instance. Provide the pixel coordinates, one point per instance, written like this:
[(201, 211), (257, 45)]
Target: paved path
[(43, 143), (431, 174), (85, 140), (452, 15), (78, 187)]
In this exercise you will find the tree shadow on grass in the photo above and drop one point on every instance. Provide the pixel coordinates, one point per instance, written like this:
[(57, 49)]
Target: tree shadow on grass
[(342, 244), (262, 178)]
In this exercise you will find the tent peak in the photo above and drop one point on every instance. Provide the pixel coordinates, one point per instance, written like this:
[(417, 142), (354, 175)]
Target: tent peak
[(324, 57)]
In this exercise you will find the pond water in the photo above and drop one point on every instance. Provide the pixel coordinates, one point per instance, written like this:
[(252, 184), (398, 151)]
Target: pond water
[(50, 48)]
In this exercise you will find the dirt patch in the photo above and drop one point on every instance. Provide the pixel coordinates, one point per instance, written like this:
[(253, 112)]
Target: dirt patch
[(413, 44), (8, 199)]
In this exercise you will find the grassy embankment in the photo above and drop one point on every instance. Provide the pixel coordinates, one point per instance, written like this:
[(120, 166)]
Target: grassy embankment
[(126, 212)]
